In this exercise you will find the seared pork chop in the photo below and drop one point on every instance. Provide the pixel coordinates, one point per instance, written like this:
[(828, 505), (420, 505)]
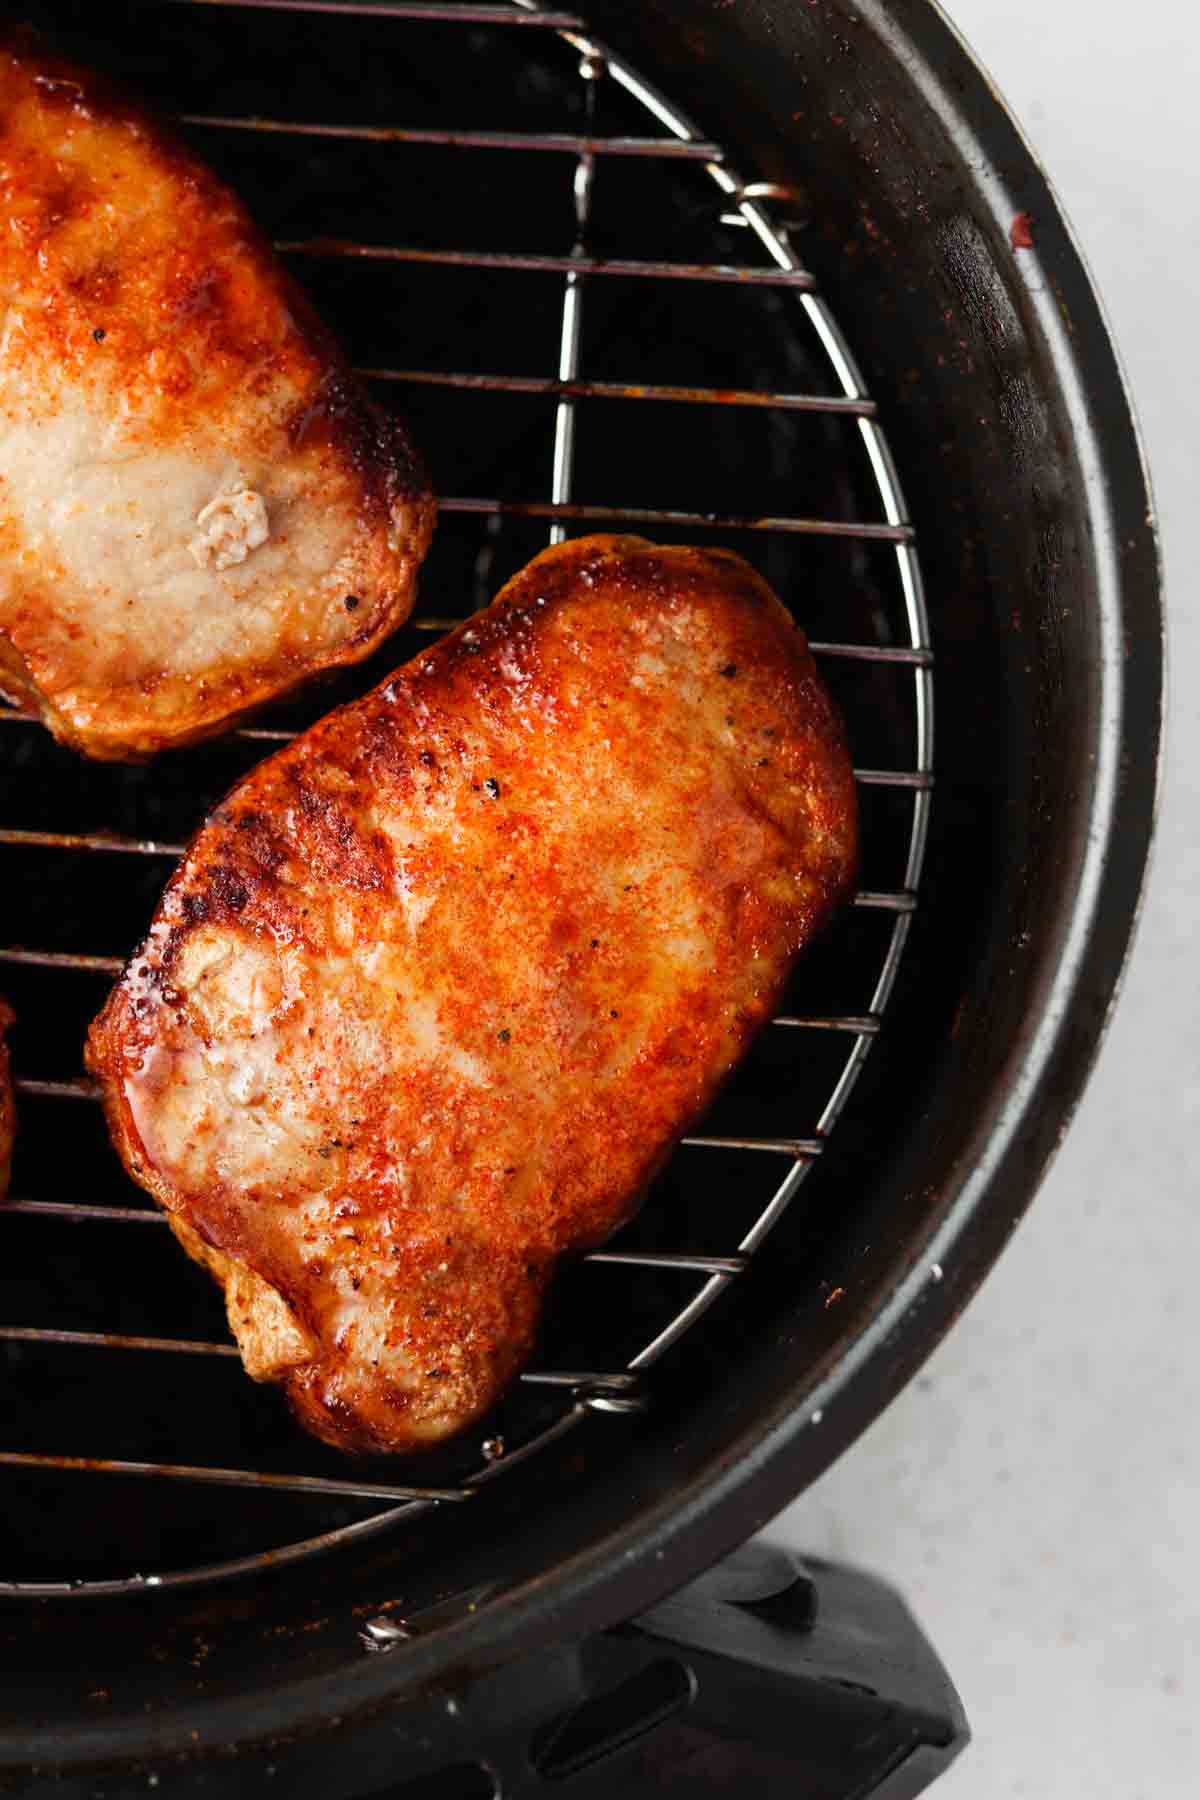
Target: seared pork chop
[(439, 986), (198, 506)]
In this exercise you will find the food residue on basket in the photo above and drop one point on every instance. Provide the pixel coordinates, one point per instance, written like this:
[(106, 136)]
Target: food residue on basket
[(1020, 232)]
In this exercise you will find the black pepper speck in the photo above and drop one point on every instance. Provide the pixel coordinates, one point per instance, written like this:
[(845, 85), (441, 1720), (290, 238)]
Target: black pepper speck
[(493, 787)]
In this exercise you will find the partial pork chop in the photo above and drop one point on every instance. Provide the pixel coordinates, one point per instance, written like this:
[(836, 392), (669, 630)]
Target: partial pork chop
[(439, 986), (199, 508)]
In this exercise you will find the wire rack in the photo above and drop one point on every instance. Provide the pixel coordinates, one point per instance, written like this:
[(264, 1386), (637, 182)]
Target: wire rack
[(894, 647)]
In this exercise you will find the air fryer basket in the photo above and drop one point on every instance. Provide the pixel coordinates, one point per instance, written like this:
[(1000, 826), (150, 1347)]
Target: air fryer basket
[(612, 267)]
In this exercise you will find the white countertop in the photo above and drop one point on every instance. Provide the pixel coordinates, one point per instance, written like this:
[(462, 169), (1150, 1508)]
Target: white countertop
[(1052, 1548)]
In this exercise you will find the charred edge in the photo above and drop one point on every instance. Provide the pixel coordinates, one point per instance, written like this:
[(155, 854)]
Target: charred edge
[(331, 837), (228, 890), (376, 444), (259, 841)]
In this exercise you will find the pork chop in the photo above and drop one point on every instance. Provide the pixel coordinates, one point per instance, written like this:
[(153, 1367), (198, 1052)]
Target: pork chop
[(199, 507), (439, 986)]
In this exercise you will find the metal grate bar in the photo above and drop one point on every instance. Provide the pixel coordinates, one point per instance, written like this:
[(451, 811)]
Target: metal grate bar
[(79, 1089), (898, 654), (519, 1453), (341, 1535), (246, 1478), (919, 780), (115, 965), (916, 779), (861, 1024), (65, 1209), (63, 959), (110, 1340), (571, 328), (624, 390), (636, 269), (798, 1147), (875, 653), (145, 1215), (572, 143), (681, 1323), (775, 1207), (116, 1340), (13, 715), (83, 1089), (423, 11), (89, 840), (648, 1259), (898, 903), (58, 840), (578, 1378), (647, 515)]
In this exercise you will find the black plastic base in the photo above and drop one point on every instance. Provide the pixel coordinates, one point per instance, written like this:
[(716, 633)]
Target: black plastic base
[(767, 1677), (812, 1681)]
